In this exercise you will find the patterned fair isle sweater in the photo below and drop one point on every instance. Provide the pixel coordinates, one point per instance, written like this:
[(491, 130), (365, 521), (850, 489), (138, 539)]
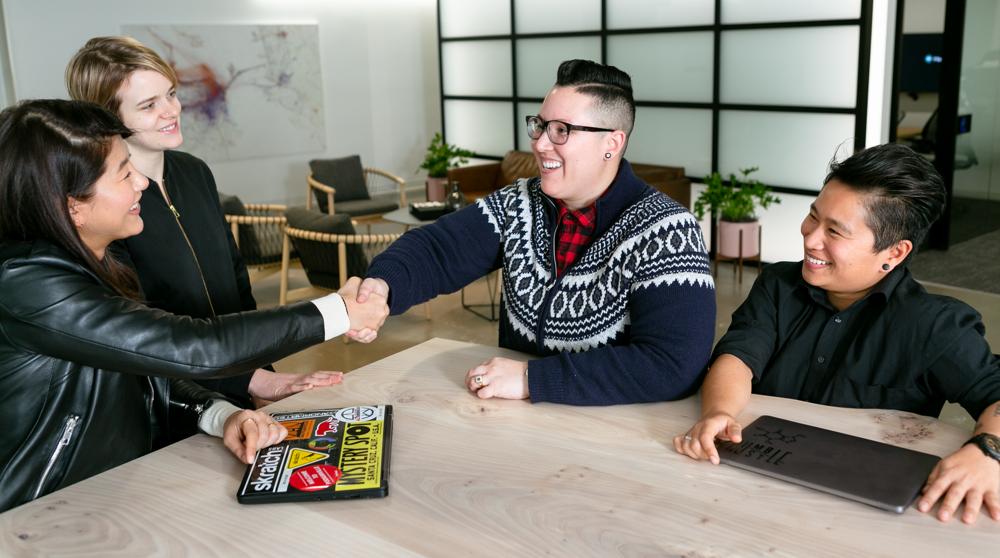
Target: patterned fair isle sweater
[(632, 320)]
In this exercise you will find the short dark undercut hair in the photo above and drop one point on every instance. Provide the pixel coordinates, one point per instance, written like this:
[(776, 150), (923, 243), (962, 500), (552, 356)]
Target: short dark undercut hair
[(610, 88), (904, 194)]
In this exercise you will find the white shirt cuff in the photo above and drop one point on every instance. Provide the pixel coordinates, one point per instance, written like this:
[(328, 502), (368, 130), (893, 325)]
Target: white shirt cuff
[(335, 319), (213, 420)]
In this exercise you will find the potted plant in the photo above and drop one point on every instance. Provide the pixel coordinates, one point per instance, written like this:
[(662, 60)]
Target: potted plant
[(733, 203), (441, 157)]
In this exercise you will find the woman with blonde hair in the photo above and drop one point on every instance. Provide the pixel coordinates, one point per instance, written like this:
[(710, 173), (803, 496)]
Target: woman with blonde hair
[(186, 258)]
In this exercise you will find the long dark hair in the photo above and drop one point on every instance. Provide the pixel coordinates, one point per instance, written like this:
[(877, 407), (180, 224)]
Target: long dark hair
[(50, 150)]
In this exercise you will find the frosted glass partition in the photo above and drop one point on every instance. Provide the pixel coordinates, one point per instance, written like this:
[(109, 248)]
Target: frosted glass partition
[(482, 126), (673, 137), (791, 149), (631, 14), (525, 110), (469, 18), (756, 11), (538, 60), (481, 68), (665, 66), (816, 66), (549, 16)]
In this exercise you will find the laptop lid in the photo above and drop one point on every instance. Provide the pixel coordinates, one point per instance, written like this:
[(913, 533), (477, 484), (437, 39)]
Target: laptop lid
[(888, 477), (329, 454)]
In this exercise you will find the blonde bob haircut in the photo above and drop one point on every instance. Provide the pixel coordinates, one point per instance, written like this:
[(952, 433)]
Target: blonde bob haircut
[(97, 72)]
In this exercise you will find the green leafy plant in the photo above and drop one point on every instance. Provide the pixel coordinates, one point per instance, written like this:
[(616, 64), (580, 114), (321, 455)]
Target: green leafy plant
[(735, 200), (440, 157)]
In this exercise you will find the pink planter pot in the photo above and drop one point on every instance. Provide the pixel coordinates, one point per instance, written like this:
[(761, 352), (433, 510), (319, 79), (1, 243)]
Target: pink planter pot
[(437, 189), (729, 239)]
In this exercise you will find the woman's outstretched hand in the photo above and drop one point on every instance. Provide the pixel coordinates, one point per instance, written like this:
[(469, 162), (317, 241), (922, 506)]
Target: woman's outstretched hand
[(269, 387)]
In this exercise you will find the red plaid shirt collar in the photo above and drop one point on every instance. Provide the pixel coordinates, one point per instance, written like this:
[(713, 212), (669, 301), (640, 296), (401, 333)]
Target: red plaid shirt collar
[(576, 227)]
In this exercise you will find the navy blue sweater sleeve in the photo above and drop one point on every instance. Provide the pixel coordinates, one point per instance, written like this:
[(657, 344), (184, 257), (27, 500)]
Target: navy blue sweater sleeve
[(673, 327), (439, 258)]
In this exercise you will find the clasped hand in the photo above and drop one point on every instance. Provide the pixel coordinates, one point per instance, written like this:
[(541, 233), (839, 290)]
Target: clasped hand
[(368, 314)]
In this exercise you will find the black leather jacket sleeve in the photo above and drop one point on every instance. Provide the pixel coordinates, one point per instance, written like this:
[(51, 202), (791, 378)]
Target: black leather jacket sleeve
[(70, 315)]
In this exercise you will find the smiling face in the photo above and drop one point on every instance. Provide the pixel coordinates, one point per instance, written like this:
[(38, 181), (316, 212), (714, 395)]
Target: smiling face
[(149, 106), (112, 212), (839, 256), (576, 172)]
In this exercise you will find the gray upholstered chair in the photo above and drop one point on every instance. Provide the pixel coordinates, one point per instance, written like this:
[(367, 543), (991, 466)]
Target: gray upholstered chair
[(344, 186)]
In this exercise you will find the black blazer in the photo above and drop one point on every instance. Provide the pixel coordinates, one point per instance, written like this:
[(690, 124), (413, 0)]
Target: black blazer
[(189, 265)]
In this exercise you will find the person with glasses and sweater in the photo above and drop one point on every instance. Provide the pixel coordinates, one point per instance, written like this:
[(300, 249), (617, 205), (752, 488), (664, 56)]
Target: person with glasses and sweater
[(604, 278)]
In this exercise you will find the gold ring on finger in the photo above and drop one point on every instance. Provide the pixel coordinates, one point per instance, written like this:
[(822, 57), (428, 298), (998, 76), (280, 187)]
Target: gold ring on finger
[(479, 381), (246, 421)]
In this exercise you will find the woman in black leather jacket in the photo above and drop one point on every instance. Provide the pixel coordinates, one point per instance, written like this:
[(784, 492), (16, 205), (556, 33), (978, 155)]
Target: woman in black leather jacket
[(186, 257), (89, 377)]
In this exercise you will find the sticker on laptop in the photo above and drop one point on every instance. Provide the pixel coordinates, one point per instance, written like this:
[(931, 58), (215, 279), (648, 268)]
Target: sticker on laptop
[(358, 414), (300, 457), (315, 477)]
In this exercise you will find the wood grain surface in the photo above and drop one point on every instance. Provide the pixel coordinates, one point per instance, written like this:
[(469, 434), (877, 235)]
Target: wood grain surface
[(473, 477)]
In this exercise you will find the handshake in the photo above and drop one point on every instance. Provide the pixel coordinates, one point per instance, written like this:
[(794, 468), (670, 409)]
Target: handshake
[(367, 307)]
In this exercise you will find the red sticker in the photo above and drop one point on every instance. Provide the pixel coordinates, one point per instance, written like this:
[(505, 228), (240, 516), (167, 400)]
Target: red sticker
[(327, 426), (315, 477)]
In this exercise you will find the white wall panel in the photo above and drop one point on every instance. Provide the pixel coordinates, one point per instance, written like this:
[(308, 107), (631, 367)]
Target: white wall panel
[(548, 16), (631, 14), (816, 66), (469, 18), (481, 126), (539, 59), (791, 149), (481, 68), (672, 137), (754, 11), (666, 66)]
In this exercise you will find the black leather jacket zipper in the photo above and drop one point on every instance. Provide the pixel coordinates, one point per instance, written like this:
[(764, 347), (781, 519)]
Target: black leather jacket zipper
[(64, 440), (152, 402), (177, 217)]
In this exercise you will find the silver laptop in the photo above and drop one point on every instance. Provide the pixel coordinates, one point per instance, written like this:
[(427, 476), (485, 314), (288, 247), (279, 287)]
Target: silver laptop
[(880, 475)]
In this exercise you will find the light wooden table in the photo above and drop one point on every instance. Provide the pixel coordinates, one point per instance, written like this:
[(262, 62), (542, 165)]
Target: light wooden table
[(498, 478)]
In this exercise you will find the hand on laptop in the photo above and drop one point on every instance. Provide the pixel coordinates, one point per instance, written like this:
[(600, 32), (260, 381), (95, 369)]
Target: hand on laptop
[(366, 316), (499, 377), (699, 442), (247, 431)]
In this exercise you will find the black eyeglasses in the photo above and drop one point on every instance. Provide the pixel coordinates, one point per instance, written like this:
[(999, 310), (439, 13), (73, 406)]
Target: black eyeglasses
[(557, 130)]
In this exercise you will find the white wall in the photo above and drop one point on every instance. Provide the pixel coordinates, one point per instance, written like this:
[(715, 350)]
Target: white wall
[(379, 60)]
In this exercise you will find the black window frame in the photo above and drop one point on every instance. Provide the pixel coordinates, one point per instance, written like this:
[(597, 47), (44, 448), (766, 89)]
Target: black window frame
[(860, 110)]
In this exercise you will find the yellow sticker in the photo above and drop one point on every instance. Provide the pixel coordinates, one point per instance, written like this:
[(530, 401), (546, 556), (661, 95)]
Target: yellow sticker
[(300, 457)]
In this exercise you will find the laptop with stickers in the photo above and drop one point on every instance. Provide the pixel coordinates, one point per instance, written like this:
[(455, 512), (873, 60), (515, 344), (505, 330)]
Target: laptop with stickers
[(877, 474), (330, 454)]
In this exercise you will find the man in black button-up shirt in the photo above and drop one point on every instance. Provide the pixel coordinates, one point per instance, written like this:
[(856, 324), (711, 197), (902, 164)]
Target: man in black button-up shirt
[(848, 326)]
